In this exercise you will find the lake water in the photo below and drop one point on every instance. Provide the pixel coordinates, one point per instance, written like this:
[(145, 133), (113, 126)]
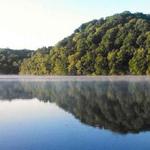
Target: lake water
[(74, 113)]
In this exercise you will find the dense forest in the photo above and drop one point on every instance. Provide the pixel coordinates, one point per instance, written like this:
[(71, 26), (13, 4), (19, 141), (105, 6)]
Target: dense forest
[(10, 60), (119, 44), (115, 45), (38, 64)]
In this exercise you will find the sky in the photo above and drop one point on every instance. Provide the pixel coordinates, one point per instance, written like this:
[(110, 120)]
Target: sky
[(32, 24)]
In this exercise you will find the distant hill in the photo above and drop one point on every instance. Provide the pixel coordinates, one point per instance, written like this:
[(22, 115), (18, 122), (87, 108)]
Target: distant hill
[(10, 60)]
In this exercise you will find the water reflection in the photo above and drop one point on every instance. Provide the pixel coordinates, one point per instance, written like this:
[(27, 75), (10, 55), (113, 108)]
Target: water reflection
[(119, 106)]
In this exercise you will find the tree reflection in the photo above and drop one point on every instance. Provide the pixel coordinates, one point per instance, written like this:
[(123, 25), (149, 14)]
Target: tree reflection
[(119, 106)]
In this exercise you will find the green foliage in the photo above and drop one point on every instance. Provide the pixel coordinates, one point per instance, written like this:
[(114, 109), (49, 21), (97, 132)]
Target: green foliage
[(138, 63), (101, 65), (10, 60), (58, 62), (115, 45), (118, 44), (38, 64)]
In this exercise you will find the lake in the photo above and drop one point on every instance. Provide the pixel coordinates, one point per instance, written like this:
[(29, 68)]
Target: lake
[(74, 113)]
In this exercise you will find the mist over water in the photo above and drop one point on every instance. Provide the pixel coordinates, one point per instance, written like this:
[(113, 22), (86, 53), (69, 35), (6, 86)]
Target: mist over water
[(74, 113)]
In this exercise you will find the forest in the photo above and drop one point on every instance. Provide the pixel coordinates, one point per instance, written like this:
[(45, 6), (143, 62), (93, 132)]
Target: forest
[(115, 45), (10, 60)]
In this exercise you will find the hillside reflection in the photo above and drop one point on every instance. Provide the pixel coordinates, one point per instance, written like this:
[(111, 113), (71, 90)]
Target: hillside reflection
[(119, 106)]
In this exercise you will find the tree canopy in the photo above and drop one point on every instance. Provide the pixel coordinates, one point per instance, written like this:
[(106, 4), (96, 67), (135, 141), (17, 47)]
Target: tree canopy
[(115, 45), (118, 45), (10, 60), (38, 64)]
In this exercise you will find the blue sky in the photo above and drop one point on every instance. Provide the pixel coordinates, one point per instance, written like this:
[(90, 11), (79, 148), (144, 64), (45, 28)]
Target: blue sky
[(37, 23)]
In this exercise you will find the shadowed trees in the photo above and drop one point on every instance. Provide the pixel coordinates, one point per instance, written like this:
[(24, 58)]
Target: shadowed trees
[(10, 60)]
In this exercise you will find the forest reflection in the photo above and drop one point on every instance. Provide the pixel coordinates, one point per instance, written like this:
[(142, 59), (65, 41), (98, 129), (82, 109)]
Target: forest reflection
[(122, 107)]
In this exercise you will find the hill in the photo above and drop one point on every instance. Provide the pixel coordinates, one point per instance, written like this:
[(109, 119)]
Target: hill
[(118, 44), (10, 60), (38, 64)]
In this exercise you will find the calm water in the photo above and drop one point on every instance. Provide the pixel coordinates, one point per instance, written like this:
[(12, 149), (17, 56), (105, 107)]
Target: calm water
[(74, 114)]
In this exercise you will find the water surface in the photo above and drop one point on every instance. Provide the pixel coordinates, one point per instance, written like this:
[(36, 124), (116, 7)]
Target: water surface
[(75, 113)]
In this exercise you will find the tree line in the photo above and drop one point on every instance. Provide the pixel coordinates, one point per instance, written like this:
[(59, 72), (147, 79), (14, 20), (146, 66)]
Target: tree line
[(10, 60), (115, 45)]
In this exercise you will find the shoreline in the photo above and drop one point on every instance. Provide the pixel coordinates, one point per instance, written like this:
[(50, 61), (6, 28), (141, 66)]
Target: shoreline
[(73, 78)]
